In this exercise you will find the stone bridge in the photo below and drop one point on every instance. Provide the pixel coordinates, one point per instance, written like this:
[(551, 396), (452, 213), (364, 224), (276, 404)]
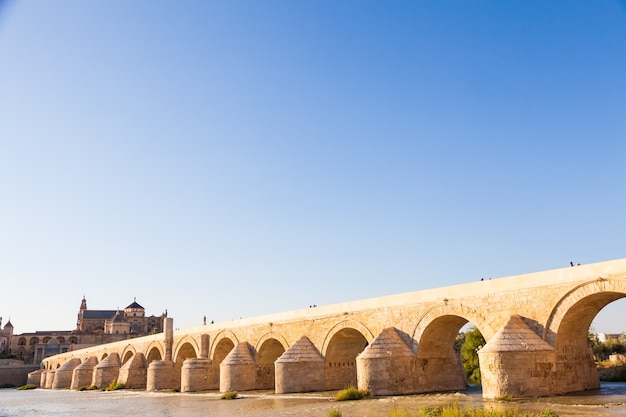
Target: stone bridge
[(535, 325)]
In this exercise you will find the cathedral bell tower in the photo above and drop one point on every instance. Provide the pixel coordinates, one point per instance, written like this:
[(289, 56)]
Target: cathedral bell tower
[(83, 307)]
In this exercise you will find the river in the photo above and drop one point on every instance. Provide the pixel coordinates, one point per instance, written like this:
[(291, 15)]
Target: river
[(610, 400)]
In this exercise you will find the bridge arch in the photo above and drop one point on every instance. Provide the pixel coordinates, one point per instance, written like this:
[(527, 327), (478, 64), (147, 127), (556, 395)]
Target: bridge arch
[(187, 348), (154, 352), (434, 343), (455, 314), (222, 344), (568, 326), (269, 348), (573, 313), (346, 324), (128, 352), (272, 335), (343, 343), (184, 348)]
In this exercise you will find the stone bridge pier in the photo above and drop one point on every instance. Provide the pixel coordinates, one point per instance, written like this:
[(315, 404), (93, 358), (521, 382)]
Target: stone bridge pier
[(535, 327)]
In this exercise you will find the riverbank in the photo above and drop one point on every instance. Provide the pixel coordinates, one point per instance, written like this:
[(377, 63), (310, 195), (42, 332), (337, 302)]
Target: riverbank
[(612, 372), (610, 400)]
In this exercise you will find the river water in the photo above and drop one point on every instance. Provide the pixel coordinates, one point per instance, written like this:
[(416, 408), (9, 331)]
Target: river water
[(610, 400)]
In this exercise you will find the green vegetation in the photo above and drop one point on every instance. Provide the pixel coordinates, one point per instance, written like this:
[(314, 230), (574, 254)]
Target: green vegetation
[(602, 350), (455, 411), (27, 386), (350, 393), (613, 371), (230, 395), (470, 345), (114, 385), (504, 398), (8, 356)]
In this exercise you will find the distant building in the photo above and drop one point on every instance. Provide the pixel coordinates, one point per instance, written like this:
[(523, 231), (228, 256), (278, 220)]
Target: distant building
[(93, 327), (133, 320), (605, 337), (6, 335)]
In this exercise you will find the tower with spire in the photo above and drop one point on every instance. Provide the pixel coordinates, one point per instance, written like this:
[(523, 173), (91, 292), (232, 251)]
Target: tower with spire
[(6, 335), (83, 307)]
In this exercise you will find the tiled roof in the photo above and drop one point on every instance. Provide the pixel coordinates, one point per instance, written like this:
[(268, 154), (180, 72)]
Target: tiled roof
[(98, 314), (135, 305)]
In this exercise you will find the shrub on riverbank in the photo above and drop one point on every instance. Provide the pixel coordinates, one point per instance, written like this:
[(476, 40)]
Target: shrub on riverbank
[(114, 385), (230, 395), (350, 393), (27, 386)]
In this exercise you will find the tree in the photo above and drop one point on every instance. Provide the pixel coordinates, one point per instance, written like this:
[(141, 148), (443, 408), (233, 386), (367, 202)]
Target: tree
[(472, 343), (602, 350)]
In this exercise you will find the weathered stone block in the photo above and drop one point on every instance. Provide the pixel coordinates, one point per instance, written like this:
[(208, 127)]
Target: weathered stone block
[(509, 363), (387, 366), (237, 371), (34, 377), (161, 376), (300, 368), (196, 375), (63, 375), (83, 373), (106, 371), (133, 373)]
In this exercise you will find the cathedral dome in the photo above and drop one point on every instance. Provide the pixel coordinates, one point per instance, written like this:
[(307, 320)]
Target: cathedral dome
[(134, 305)]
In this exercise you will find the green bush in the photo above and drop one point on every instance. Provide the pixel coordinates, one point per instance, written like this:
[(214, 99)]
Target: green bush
[(230, 395), (8, 356), (472, 342), (114, 385), (27, 386), (431, 412), (334, 413), (405, 413), (350, 393)]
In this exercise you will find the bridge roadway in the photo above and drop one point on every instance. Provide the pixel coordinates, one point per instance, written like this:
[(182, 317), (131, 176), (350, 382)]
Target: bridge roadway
[(535, 325)]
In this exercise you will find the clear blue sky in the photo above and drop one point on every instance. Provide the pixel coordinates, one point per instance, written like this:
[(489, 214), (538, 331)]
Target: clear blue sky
[(241, 158)]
